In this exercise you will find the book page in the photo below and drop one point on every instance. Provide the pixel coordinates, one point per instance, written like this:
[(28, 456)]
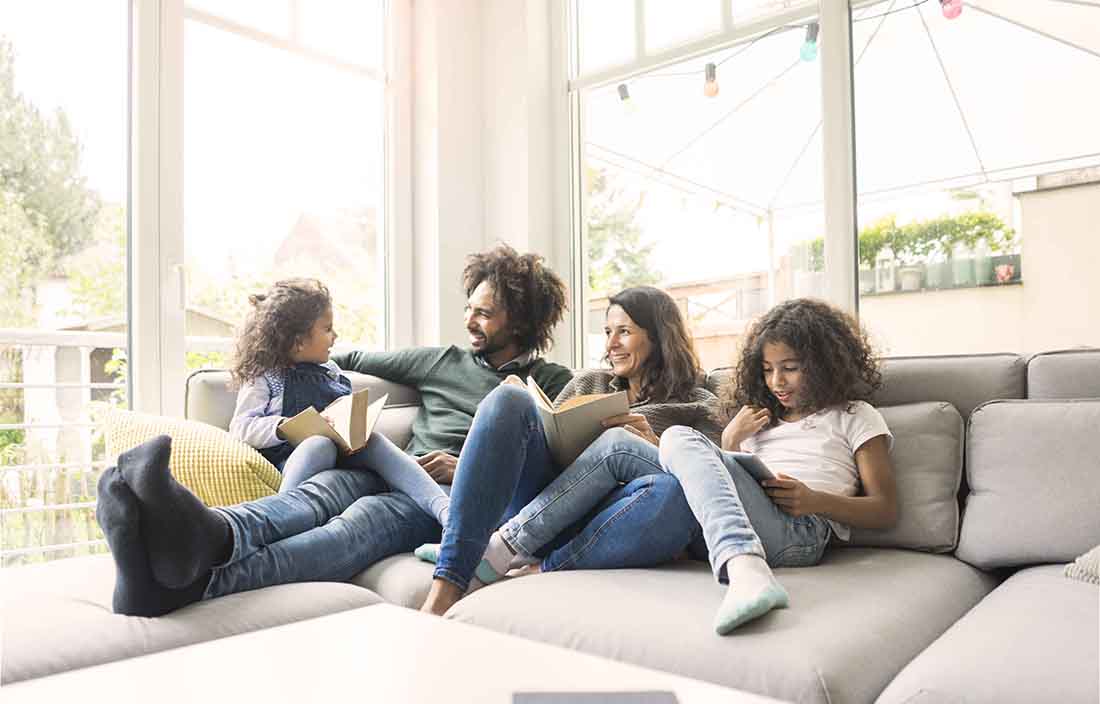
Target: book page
[(581, 400), (539, 395), (351, 422), (307, 424), (580, 424)]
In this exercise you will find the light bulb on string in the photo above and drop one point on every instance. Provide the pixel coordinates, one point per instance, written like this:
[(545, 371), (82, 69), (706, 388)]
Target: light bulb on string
[(710, 87), (951, 8), (808, 52), (624, 97)]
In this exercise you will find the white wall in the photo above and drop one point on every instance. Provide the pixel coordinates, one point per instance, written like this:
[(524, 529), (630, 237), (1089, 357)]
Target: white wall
[(488, 111)]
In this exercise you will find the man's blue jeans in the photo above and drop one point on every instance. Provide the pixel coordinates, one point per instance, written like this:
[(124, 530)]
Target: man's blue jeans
[(504, 463), (329, 528)]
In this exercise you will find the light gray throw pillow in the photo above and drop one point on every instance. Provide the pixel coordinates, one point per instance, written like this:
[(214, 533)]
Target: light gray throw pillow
[(1033, 468), (927, 458)]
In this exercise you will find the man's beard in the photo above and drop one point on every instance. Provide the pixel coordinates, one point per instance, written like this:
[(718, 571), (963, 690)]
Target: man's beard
[(494, 343)]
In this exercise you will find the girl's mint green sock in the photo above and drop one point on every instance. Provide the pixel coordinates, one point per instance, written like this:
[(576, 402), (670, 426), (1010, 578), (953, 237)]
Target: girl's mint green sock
[(752, 593)]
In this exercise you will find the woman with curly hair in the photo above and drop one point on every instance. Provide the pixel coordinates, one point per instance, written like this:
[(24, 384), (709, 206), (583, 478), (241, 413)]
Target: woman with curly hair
[(282, 367), (803, 383)]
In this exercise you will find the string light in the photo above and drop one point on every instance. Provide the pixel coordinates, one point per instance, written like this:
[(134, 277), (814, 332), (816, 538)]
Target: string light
[(710, 86), (624, 98), (808, 52), (951, 8)]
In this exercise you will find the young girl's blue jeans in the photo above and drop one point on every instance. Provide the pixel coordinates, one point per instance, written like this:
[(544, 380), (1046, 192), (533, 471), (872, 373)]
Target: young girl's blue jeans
[(721, 498), (400, 471)]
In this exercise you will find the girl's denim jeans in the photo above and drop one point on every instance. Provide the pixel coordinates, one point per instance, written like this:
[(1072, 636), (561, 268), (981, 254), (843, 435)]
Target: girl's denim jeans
[(399, 470), (736, 514)]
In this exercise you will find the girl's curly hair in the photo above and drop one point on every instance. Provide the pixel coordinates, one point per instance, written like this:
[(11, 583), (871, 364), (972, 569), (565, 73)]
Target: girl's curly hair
[(531, 293), (838, 363), (279, 319), (672, 369)]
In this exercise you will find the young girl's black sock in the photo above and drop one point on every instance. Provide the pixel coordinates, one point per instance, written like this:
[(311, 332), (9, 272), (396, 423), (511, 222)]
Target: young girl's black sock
[(185, 538), (137, 593)]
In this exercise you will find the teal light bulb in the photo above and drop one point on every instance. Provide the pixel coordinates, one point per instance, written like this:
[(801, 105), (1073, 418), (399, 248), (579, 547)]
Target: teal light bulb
[(808, 52)]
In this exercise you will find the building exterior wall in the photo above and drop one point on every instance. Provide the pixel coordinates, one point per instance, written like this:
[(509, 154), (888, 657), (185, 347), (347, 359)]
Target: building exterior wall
[(1056, 306)]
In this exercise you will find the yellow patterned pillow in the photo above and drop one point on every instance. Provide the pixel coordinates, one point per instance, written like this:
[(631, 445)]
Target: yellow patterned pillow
[(220, 470)]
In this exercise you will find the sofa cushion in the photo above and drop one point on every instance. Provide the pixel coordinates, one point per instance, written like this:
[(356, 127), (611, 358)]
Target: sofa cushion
[(57, 616), (1064, 374), (964, 381), (1034, 639), (854, 621), (220, 469), (927, 458), (403, 580), (1033, 468)]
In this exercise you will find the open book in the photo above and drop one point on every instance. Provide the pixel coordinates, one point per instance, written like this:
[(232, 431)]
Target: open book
[(352, 422), (753, 465), (573, 427)]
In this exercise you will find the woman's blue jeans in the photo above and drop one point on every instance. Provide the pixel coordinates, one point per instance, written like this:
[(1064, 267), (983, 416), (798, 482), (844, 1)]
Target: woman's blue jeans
[(613, 507)]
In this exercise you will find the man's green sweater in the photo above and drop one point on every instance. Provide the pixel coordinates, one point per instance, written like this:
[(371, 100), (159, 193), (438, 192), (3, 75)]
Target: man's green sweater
[(451, 385)]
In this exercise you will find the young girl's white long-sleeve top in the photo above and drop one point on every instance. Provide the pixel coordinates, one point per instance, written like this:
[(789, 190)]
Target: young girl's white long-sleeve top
[(260, 408)]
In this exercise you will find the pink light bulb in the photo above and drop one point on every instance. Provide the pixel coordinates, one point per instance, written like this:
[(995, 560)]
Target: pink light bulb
[(951, 8)]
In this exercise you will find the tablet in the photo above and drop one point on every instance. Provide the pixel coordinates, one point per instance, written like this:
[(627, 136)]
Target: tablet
[(753, 465)]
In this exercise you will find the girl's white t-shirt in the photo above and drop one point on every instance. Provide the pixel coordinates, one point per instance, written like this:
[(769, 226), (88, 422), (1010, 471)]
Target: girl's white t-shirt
[(819, 450)]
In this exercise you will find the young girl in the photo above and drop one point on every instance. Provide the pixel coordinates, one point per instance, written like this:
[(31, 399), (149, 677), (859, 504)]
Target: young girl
[(803, 381), (805, 373), (282, 367)]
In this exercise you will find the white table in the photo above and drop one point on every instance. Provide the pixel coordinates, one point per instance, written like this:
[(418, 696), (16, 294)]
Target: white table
[(374, 654)]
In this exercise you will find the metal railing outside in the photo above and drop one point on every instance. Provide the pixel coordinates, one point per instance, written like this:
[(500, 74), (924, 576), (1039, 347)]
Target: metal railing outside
[(52, 456)]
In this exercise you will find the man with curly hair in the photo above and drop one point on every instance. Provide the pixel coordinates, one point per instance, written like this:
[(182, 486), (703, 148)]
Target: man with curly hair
[(513, 303)]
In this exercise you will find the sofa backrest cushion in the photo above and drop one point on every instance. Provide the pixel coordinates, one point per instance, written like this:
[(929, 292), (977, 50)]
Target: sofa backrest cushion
[(927, 458), (211, 400), (1033, 468), (964, 381), (1064, 374)]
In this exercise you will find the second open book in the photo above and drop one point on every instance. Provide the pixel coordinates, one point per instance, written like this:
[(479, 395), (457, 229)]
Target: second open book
[(353, 419), (572, 427)]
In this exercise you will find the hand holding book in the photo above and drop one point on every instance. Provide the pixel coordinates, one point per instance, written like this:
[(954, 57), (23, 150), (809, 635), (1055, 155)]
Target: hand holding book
[(573, 426)]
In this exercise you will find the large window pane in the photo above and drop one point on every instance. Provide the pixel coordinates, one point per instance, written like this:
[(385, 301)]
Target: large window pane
[(978, 183), (716, 199), (283, 165), (63, 317)]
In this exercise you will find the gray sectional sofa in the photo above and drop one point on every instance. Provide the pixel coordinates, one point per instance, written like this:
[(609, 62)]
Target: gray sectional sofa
[(998, 466)]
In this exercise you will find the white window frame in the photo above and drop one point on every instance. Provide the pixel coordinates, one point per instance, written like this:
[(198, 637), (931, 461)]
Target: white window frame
[(838, 131), (156, 276)]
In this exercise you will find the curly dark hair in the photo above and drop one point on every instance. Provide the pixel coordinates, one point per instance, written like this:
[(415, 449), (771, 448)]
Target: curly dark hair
[(531, 293), (838, 363), (278, 320), (672, 369)]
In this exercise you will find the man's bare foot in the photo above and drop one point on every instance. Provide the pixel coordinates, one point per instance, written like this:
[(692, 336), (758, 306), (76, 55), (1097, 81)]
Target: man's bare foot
[(442, 596)]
